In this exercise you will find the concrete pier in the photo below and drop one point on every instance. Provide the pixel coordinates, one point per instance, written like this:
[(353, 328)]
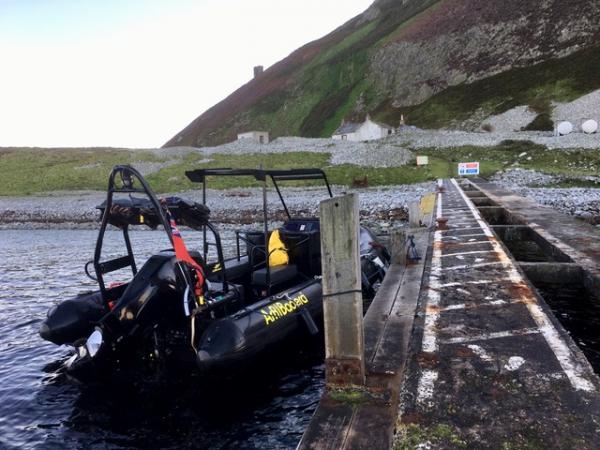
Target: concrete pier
[(463, 351), (491, 367)]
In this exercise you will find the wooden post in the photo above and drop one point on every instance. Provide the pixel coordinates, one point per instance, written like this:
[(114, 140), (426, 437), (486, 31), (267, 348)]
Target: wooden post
[(398, 247), (342, 296), (414, 214)]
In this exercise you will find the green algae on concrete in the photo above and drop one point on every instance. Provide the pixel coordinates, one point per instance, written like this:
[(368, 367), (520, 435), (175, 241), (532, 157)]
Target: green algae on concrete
[(414, 436)]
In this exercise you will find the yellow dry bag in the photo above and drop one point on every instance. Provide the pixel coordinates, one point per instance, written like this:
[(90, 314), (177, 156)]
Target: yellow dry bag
[(278, 255)]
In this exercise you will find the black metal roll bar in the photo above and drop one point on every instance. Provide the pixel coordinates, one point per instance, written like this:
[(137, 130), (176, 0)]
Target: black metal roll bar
[(123, 179), (126, 176), (200, 176)]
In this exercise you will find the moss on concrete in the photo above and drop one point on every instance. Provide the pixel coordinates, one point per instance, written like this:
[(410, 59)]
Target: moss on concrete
[(349, 396), (414, 436)]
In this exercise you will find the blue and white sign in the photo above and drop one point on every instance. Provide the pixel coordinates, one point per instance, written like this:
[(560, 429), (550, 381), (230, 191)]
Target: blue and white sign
[(470, 168)]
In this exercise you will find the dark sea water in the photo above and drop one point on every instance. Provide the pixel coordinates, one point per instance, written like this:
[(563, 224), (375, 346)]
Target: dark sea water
[(42, 408)]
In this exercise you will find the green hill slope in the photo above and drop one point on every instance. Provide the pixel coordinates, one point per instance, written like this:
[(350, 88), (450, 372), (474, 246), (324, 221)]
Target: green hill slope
[(436, 62)]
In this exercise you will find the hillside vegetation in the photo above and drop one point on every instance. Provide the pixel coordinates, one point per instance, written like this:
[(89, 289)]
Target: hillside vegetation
[(438, 63)]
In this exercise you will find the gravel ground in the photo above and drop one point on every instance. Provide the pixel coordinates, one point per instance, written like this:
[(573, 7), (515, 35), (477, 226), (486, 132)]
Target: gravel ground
[(394, 150), (579, 202), (448, 138), (381, 153), (511, 120), (576, 112), (531, 178), (78, 210), (384, 205), (524, 178)]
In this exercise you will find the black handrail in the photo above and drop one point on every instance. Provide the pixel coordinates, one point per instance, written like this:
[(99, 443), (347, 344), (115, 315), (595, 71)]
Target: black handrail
[(128, 175), (220, 256)]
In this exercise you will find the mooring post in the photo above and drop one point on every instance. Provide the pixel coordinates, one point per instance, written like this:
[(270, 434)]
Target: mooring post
[(398, 246), (342, 296), (414, 214)]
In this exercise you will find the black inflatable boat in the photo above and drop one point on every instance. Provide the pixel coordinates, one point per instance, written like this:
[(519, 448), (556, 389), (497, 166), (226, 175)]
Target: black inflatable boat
[(197, 305)]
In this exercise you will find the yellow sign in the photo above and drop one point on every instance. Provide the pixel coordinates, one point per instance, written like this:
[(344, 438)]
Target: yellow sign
[(427, 203), (281, 309)]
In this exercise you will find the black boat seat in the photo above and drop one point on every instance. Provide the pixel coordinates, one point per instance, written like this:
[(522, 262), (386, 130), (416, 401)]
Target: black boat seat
[(279, 274), (233, 268)]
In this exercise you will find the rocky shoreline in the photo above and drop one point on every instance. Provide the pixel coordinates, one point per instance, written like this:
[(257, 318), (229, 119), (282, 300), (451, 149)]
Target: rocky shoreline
[(237, 206), (385, 205)]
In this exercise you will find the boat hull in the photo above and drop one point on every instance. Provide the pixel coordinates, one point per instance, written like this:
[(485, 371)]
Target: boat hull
[(263, 326)]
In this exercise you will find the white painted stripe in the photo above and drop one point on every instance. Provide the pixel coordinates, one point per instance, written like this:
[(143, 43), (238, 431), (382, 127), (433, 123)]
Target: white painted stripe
[(456, 307), (462, 216), (490, 336), (462, 283), (433, 299), (426, 387), (465, 228), (564, 355), (459, 244), (460, 306), (475, 266), (457, 238), (429, 343), (476, 252), (429, 377), (455, 227)]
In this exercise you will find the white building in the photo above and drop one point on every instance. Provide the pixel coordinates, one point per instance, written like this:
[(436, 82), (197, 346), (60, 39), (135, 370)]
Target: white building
[(261, 137), (366, 131)]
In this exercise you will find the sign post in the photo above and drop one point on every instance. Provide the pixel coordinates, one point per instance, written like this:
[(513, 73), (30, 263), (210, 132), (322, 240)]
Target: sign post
[(470, 168)]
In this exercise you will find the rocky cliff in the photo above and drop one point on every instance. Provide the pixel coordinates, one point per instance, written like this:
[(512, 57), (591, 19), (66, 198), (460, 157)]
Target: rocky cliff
[(445, 63)]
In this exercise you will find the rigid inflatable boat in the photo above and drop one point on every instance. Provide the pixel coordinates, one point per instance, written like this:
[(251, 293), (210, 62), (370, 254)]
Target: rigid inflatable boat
[(197, 305)]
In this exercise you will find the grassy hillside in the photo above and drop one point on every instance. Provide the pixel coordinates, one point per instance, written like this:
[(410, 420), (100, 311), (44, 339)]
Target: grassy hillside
[(559, 80), (33, 171), (456, 57), (26, 171), (309, 92)]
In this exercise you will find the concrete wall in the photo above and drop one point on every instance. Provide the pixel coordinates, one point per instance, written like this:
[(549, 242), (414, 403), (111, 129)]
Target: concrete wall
[(368, 131), (371, 130), (344, 137), (262, 137)]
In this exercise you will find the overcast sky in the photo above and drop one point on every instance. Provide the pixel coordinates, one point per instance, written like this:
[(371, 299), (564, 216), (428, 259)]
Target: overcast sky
[(133, 73)]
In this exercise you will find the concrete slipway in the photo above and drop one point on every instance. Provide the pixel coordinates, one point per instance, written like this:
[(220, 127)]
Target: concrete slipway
[(462, 349)]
